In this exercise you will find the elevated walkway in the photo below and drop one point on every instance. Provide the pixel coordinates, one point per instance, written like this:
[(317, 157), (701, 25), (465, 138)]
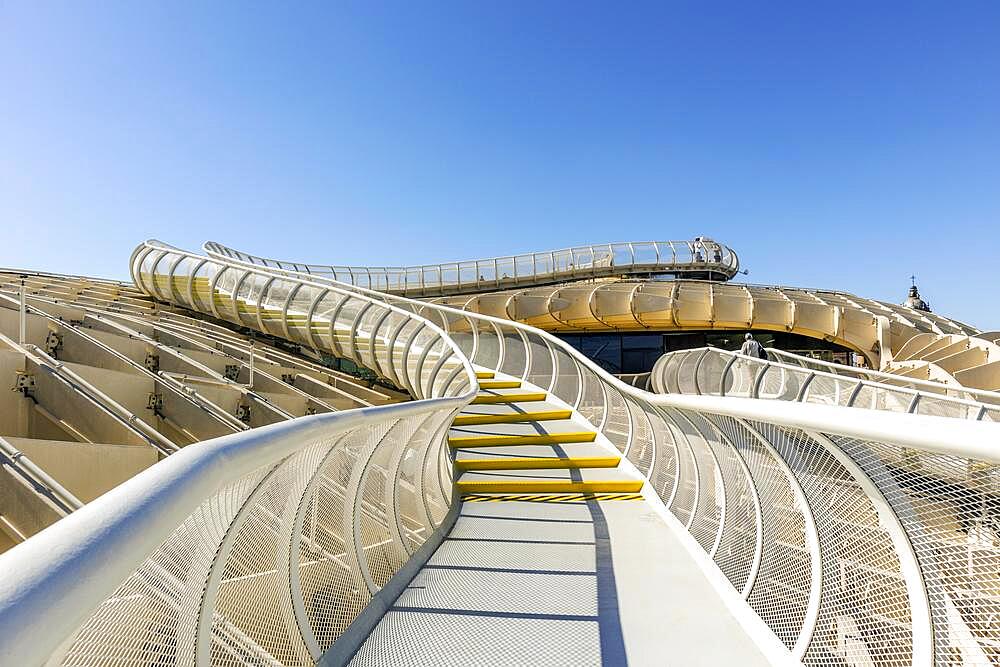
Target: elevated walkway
[(555, 558), (700, 257)]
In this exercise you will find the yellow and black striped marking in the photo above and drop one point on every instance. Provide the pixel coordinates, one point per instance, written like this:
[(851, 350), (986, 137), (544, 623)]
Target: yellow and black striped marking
[(548, 497)]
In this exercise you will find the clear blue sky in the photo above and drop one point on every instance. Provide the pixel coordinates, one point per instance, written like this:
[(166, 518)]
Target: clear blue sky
[(837, 144)]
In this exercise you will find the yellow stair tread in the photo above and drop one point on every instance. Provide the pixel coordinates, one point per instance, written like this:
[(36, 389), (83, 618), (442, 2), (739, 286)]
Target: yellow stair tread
[(511, 417), (500, 384), (537, 463), (547, 497), (539, 439), (509, 398), (485, 375), (528, 485)]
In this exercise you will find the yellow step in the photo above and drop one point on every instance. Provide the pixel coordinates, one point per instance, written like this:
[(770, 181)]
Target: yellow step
[(538, 463), (550, 486), (512, 417), (547, 497), (540, 439), (509, 398), (485, 375), (499, 384)]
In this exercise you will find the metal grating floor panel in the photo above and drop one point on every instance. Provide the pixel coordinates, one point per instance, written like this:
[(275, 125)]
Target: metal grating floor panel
[(439, 640), (519, 592), (517, 555), (575, 512), (488, 527)]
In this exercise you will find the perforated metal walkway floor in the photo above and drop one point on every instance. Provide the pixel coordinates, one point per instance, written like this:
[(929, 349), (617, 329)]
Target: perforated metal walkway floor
[(559, 583)]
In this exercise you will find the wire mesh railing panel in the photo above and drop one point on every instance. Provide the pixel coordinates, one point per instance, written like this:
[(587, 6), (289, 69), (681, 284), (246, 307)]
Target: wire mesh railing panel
[(663, 472), (775, 382), (515, 358), (710, 495), (567, 384), (738, 542), (709, 370), (330, 584), (949, 508), (781, 574), (249, 599), (376, 530), (593, 403), (839, 391), (943, 407), (618, 425), (683, 502), (686, 374), (152, 617), (863, 592), (541, 371), (642, 448)]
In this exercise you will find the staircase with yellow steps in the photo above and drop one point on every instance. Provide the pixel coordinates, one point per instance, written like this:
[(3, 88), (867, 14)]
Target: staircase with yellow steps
[(514, 439)]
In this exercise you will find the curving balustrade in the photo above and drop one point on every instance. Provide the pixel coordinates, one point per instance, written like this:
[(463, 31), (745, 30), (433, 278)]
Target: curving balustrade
[(788, 377), (952, 390), (539, 268), (857, 537)]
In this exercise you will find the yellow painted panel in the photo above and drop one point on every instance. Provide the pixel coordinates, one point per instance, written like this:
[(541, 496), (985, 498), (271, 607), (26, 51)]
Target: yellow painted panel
[(534, 462)]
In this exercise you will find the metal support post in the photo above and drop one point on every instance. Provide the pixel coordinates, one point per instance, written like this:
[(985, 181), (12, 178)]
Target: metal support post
[(251, 361), (23, 311)]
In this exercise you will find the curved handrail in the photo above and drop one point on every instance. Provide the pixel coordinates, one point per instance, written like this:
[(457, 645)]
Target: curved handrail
[(816, 515), (155, 533), (583, 262), (712, 371), (985, 395), (288, 307), (957, 391)]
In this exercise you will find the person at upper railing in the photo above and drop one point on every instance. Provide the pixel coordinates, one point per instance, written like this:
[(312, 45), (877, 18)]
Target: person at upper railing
[(712, 249)]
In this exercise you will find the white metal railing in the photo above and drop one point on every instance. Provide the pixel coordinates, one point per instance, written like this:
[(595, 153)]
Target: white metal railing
[(594, 261), (254, 548), (788, 377), (928, 386), (858, 537)]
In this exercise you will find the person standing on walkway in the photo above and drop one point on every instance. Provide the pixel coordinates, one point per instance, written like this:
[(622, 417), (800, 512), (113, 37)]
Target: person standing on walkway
[(752, 348)]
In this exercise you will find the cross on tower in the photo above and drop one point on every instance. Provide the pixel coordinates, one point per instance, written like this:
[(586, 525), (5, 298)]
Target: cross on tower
[(913, 280)]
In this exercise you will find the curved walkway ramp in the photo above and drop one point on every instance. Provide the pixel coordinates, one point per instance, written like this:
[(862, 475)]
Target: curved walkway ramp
[(817, 534), (697, 258)]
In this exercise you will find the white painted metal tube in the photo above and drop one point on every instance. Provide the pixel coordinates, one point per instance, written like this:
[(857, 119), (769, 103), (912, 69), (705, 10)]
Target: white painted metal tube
[(913, 389), (941, 435), (23, 316), (59, 575), (39, 476)]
